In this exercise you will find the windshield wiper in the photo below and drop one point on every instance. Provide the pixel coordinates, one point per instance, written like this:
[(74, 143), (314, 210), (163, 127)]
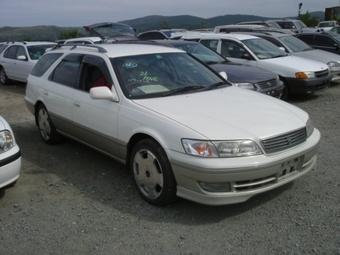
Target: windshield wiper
[(183, 90)]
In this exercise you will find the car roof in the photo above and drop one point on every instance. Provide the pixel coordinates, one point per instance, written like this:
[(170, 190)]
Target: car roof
[(240, 37), (31, 43), (121, 49), (92, 39), (241, 25)]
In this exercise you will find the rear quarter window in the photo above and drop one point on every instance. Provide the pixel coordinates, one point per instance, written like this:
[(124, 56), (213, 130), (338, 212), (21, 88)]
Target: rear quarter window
[(44, 63)]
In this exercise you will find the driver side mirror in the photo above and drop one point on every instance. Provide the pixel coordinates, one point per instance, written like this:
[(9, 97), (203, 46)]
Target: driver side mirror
[(246, 56), (103, 93), (223, 75), (22, 58), (282, 49)]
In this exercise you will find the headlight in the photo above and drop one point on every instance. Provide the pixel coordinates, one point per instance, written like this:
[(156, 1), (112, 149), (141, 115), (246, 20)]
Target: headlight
[(6, 141), (304, 75), (221, 149), (245, 86), (309, 127)]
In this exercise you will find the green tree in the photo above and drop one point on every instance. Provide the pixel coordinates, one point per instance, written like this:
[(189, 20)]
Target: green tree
[(68, 34), (309, 20), (164, 25)]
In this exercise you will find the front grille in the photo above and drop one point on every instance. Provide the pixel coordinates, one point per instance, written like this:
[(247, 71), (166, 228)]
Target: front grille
[(321, 73), (267, 84), (284, 141)]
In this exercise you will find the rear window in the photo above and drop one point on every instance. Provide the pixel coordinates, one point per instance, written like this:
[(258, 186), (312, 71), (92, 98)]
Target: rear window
[(44, 63)]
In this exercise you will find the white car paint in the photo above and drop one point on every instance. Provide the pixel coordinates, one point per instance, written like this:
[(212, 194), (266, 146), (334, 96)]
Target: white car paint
[(16, 69), (222, 114), (9, 168)]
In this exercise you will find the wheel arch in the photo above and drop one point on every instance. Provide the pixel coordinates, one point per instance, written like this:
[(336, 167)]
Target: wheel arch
[(141, 135)]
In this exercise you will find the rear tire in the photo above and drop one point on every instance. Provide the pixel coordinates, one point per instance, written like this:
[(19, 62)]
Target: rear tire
[(152, 173), (47, 130)]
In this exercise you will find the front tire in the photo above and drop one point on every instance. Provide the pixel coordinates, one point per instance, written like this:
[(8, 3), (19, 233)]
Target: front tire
[(152, 173), (47, 130), (3, 77)]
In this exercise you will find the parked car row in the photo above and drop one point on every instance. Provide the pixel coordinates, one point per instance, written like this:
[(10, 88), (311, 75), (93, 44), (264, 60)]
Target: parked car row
[(185, 115)]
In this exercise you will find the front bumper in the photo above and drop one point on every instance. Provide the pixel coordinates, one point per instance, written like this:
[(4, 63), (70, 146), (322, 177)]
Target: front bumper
[(10, 165), (297, 86), (242, 177), (274, 91)]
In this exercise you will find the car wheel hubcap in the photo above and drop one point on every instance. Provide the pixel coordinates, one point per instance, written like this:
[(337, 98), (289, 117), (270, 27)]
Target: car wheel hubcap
[(44, 124), (148, 174)]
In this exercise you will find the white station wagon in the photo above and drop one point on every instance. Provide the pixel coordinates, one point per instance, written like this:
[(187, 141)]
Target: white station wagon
[(181, 128)]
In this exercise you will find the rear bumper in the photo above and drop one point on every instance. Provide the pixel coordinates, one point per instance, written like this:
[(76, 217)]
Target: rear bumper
[(10, 168), (297, 86)]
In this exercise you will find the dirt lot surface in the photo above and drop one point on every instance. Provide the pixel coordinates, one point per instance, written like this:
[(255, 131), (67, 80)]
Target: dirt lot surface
[(73, 200)]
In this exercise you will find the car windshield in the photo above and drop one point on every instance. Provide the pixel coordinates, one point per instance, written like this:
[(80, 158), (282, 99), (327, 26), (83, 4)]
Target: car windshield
[(114, 30), (263, 49), (163, 74), (36, 51), (326, 24), (201, 52), (295, 44)]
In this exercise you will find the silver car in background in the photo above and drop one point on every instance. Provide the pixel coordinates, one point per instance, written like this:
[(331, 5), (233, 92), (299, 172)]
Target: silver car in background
[(299, 48)]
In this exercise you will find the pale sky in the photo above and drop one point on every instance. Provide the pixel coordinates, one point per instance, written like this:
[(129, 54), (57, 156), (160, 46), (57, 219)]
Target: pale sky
[(81, 12)]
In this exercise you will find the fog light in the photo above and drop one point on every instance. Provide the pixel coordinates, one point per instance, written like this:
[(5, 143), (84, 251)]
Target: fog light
[(215, 187)]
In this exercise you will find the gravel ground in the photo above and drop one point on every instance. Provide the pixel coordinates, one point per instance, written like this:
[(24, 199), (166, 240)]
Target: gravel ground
[(73, 200)]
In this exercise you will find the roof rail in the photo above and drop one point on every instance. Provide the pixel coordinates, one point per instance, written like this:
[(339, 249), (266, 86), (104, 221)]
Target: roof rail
[(73, 46)]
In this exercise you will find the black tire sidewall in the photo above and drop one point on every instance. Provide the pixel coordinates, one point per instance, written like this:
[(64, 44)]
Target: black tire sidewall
[(168, 194), (54, 136), (6, 79)]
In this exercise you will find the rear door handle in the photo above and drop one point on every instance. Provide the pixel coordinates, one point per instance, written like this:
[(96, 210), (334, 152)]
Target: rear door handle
[(45, 93), (76, 104)]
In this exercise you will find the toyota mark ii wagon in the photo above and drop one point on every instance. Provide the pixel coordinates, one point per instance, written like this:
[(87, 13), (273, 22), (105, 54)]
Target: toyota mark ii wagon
[(182, 130)]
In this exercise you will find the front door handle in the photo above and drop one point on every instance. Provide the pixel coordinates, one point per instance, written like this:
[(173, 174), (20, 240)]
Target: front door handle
[(76, 104)]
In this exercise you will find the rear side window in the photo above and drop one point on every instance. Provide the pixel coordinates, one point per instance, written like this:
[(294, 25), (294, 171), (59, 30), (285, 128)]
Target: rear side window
[(11, 52), (67, 72), (232, 49), (152, 36), (212, 44), (44, 63), (322, 40), (306, 38)]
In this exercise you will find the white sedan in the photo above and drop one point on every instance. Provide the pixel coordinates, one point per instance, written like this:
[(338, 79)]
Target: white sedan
[(10, 156)]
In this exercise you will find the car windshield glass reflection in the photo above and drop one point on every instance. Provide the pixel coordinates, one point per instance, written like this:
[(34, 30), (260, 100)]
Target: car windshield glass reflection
[(37, 51), (263, 49), (295, 44), (202, 53), (157, 75)]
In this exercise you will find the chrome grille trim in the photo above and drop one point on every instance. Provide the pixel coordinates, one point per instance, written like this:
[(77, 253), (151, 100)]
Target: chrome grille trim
[(321, 73), (285, 141)]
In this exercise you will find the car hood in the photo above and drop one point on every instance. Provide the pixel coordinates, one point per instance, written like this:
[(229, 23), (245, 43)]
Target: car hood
[(243, 73), (318, 55), (229, 113), (295, 63)]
